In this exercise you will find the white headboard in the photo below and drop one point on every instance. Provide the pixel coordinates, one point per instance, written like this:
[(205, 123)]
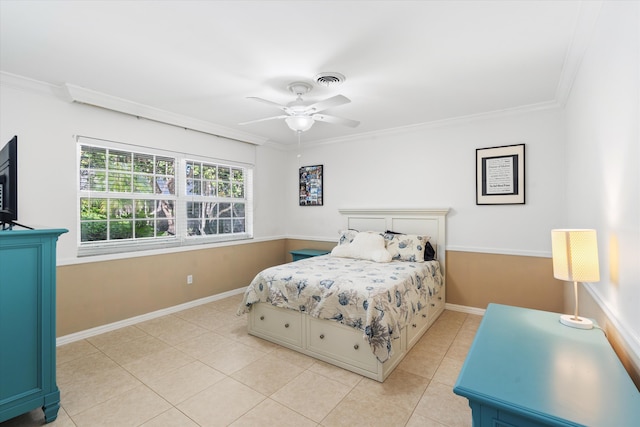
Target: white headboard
[(429, 222)]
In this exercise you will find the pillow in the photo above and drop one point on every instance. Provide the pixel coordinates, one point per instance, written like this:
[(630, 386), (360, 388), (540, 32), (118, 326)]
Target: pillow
[(406, 247), (347, 236), (429, 252), (366, 245)]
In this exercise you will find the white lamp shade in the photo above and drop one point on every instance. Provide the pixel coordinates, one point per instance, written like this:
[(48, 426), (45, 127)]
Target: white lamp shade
[(575, 255), (299, 123)]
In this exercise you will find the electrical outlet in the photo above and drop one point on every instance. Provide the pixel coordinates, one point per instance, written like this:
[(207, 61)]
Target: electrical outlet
[(189, 279)]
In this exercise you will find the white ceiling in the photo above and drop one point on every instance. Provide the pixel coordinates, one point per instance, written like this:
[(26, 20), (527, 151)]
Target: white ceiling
[(406, 62)]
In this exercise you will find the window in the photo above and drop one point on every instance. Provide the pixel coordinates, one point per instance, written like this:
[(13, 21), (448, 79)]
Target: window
[(132, 200), (126, 195), (217, 204)]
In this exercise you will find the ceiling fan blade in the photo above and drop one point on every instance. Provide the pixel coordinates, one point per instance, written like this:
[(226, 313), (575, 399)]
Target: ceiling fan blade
[(265, 119), (273, 104), (334, 101), (335, 120)]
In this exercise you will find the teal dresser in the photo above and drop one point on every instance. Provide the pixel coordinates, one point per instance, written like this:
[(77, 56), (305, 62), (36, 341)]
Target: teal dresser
[(526, 369), (28, 323)]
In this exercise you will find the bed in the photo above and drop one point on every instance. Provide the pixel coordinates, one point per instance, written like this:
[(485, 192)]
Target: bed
[(364, 306)]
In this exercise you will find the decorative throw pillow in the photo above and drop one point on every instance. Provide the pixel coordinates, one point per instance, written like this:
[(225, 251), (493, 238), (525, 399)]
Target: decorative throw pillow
[(429, 252), (406, 247), (367, 245), (347, 236)]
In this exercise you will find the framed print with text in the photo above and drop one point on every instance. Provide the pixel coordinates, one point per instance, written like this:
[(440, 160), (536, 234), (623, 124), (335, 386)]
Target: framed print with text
[(500, 175), (310, 186)]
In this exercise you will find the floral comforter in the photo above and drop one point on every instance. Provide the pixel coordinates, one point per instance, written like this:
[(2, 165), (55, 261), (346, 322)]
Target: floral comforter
[(376, 298)]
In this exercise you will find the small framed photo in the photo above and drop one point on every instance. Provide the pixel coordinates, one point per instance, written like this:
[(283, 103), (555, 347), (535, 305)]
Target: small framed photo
[(311, 190), (500, 175)]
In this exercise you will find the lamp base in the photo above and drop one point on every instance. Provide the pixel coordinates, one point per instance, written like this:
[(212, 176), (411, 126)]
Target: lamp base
[(576, 322)]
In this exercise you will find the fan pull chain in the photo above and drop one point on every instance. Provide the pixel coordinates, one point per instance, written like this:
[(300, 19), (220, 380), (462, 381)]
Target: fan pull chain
[(299, 148)]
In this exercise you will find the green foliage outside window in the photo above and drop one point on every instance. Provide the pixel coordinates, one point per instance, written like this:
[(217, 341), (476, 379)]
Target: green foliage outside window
[(210, 184), (132, 196), (105, 172)]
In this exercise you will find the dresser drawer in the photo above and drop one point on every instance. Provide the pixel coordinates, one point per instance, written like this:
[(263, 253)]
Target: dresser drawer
[(341, 343), (278, 323)]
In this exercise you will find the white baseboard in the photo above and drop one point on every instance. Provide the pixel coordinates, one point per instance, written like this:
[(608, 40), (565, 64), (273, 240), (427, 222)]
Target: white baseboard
[(77, 336), (465, 309), (629, 341)]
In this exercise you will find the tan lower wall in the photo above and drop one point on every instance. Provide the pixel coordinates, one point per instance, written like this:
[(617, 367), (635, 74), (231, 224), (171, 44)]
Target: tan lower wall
[(99, 293), (477, 279)]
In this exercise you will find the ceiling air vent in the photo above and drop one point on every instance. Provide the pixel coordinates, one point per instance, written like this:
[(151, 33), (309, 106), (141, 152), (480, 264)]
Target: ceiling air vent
[(329, 79)]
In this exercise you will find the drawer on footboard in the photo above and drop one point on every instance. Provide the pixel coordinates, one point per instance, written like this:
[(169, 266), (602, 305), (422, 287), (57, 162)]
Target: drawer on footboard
[(417, 326), (279, 324), (436, 305), (340, 343)]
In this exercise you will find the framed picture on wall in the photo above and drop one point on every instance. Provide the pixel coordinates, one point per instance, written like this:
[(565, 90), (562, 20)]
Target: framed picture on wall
[(311, 190), (500, 175)]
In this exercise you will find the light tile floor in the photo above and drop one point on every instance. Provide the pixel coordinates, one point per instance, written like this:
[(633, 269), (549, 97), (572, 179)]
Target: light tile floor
[(199, 367)]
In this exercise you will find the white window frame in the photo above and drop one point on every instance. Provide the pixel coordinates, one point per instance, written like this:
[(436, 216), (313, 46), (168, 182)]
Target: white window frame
[(180, 207)]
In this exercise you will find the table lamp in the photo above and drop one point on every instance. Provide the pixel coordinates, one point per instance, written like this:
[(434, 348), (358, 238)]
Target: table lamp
[(575, 258)]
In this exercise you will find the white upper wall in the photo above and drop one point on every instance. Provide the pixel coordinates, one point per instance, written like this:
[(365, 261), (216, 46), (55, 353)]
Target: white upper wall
[(46, 125), (603, 179), (434, 167)]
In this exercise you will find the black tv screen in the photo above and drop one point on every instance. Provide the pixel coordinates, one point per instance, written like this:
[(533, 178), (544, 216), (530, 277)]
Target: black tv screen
[(9, 182)]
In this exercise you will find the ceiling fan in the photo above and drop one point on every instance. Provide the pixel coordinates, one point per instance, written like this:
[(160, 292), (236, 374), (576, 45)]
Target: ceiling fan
[(300, 115)]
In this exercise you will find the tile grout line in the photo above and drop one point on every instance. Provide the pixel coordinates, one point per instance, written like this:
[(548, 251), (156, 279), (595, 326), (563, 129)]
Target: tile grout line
[(431, 380), (228, 312)]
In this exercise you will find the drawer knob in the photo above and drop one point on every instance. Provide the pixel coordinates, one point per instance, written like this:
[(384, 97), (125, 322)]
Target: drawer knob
[(321, 336), (261, 317), (433, 305), (286, 325), (414, 325), (440, 298), (424, 315), (355, 347)]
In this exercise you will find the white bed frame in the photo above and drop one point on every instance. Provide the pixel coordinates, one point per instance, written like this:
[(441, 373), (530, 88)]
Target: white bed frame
[(344, 346)]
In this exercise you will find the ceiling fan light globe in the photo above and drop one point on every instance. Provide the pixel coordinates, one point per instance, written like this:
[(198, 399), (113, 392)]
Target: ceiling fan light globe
[(299, 123)]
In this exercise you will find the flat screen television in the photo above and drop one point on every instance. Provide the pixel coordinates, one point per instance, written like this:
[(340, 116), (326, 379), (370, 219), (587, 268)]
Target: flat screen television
[(9, 183)]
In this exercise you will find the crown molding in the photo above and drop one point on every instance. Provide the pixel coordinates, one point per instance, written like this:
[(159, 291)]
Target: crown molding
[(90, 97), (582, 32), (72, 93), (454, 121), (30, 85)]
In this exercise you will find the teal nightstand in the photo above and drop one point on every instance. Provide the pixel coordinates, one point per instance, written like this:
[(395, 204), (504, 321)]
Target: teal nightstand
[(299, 254), (527, 369)]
